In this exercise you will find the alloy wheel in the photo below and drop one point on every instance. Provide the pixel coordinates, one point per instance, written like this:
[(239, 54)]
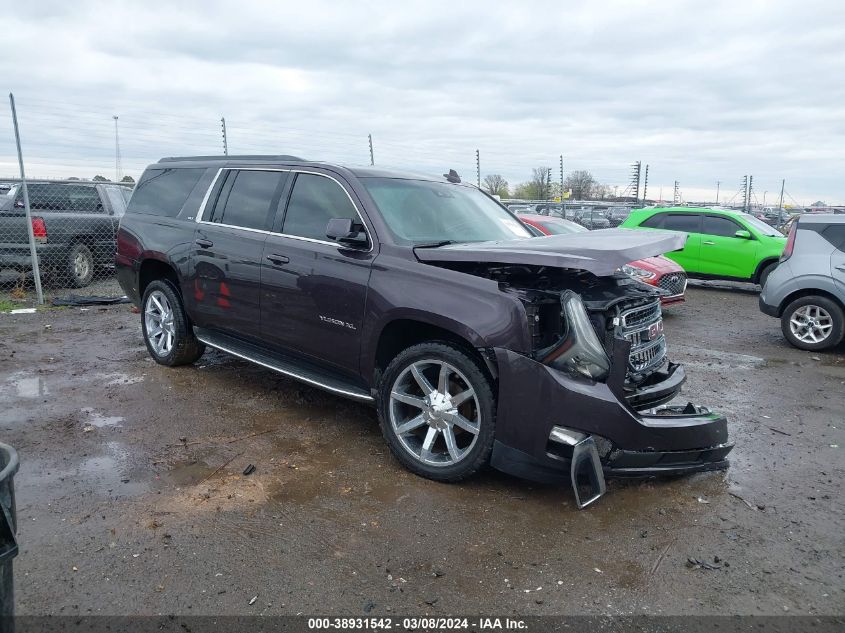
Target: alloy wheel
[(435, 413), (158, 319), (811, 324)]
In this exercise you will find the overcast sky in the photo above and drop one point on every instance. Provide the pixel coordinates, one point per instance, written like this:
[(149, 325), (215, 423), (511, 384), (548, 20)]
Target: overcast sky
[(701, 91)]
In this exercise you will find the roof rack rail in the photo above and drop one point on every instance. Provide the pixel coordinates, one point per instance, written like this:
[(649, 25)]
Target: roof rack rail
[(268, 157)]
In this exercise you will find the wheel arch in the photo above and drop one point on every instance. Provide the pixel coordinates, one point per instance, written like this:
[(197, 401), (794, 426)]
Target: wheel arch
[(402, 332), (759, 271), (808, 292), (151, 269)]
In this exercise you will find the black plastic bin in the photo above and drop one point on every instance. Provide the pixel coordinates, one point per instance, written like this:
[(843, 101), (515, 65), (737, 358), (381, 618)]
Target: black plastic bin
[(8, 531)]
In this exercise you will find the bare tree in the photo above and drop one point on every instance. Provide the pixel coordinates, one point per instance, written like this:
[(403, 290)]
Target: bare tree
[(541, 183), (496, 185), (581, 182)]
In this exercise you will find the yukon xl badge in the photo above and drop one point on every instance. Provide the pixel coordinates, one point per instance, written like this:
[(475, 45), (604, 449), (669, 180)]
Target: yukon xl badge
[(326, 319)]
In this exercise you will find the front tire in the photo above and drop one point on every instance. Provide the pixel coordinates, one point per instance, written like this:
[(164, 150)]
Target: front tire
[(167, 330), (813, 323), (437, 411)]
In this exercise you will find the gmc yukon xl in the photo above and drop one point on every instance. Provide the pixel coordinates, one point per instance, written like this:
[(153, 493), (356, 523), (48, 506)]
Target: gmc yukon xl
[(476, 342)]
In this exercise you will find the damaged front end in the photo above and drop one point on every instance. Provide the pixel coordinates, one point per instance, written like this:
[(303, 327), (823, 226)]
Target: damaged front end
[(587, 398), (587, 401)]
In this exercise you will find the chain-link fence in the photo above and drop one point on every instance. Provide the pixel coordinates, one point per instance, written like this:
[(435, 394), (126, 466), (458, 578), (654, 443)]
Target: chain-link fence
[(73, 226)]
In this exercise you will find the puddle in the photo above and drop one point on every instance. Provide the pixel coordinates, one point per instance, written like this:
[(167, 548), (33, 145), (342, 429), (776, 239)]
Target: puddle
[(26, 385), (189, 474), (99, 420)]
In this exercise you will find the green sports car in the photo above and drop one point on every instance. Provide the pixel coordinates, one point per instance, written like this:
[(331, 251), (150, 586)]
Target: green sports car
[(722, 243)]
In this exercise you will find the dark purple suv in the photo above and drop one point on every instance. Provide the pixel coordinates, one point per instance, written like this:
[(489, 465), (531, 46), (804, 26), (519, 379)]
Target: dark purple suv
[(476, 342)]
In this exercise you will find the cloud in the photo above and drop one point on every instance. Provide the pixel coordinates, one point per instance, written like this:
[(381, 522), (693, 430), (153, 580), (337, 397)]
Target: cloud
[(701, 91)]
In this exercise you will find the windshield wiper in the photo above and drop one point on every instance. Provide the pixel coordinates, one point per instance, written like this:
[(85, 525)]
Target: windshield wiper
[(436, 244)]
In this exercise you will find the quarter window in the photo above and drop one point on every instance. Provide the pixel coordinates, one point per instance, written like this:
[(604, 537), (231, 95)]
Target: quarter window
[(313, 202), (723, 227), (251, 196), (164, 191)]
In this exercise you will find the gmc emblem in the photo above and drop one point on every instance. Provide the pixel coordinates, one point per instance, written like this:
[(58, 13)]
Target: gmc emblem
[(655, 330)]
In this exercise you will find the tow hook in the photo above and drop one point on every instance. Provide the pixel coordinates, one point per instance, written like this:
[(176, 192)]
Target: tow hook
[(586, 472)]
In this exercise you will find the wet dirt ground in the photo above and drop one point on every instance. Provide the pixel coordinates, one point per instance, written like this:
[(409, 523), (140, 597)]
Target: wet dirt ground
[(131, 497)]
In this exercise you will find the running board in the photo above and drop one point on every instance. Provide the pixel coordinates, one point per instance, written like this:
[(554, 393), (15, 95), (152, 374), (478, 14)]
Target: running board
[(283, 365)]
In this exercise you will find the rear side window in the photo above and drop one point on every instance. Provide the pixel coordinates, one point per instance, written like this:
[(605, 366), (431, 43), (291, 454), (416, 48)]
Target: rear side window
[(164, 191), (61, 197), (687, 222), (835, 234), (723, 227), (313, 202), (249, 199)]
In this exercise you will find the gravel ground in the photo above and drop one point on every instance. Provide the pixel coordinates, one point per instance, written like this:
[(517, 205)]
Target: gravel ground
[(131, 497)]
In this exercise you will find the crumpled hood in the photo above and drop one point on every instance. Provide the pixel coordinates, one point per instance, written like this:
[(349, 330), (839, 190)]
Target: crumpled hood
[(599, 252)]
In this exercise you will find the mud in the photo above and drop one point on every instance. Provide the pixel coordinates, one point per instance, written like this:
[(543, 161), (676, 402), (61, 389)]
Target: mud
[(131, 497)]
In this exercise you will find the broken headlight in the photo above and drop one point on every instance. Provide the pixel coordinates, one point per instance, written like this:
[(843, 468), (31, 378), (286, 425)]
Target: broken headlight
[(579, 351)]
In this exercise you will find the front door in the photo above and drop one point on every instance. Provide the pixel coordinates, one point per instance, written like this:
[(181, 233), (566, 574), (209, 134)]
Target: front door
[(313, 290), (723, 253), (226, 252), (835, 234)]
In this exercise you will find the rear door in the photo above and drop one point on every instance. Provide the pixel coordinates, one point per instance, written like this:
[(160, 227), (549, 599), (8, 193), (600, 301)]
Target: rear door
[(228, 243), (689, 223), (313, 289), (723, 254)]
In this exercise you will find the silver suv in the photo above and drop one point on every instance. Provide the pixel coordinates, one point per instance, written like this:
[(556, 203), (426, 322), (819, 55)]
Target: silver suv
[(807, 289)]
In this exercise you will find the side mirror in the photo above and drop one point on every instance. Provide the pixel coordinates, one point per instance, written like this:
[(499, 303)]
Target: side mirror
[(743, 234), (345, 231)]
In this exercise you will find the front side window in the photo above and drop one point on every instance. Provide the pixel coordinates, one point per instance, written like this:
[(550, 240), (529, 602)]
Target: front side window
[(313, 202), (250, 198), (421, 211), (655, 221), (722, 227), (760, 226), (686, 222)]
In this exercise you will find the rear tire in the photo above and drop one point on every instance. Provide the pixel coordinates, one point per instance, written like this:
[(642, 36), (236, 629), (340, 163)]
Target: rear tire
[(78, 270), (167, 331), (813, 317), (442, 423)]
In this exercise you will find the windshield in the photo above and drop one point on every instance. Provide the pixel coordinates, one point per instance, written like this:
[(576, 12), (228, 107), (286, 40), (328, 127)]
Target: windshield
[(420, 212), (761, 226)]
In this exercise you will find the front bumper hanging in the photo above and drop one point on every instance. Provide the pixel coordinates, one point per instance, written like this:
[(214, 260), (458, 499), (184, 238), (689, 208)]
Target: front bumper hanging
[(553, 428)]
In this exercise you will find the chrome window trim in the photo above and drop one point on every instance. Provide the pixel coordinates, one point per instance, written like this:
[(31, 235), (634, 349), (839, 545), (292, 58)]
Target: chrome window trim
[(204, 206)]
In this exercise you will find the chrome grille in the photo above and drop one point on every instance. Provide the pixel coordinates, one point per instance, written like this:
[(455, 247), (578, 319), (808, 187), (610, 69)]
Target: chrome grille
[(674, 283), (647, 351)]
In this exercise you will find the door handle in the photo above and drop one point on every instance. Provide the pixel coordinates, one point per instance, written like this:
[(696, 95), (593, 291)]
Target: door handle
[(278, 259), (709, 243), (204, 243)]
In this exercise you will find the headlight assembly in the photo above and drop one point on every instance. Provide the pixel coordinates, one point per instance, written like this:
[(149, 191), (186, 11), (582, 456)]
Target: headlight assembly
[(579, 351), (638, 273)]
